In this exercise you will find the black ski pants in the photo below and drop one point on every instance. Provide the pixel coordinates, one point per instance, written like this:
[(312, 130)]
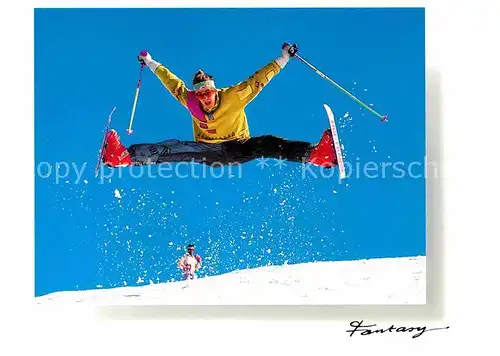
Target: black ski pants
[(229, 152)]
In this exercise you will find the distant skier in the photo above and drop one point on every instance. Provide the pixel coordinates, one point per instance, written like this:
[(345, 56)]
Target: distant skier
[(220, 124), (189, 263)]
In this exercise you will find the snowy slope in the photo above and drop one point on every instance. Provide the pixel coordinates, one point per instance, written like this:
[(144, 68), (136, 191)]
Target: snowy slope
[(373, 281)]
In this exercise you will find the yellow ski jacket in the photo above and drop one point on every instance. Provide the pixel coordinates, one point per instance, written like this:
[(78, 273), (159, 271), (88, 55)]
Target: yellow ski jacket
[(228, 121)]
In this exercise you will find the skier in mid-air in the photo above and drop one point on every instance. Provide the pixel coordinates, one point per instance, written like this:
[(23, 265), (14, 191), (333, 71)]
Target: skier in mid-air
[(220, 125)]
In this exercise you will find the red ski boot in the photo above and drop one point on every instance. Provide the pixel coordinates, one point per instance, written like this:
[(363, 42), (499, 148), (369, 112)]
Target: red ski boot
[(114, 153), (323, 154)]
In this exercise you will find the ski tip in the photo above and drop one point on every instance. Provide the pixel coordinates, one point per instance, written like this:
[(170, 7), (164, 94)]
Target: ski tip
[(328, 109)]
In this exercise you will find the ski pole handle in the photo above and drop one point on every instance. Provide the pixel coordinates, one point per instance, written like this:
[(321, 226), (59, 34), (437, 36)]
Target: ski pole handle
[(292, 51), (129, 130)]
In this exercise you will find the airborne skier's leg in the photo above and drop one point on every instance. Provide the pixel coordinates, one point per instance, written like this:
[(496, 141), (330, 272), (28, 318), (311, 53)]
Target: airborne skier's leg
[(175, 151), (269, 146), (117, 155)]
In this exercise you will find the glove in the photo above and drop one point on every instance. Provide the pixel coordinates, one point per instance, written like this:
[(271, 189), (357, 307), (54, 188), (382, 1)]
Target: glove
[(145, 60), (293, 49), (287, 51)]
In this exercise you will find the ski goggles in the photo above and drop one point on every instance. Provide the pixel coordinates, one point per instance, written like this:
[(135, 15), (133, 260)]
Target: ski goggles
[(204, 94), (208, 85)]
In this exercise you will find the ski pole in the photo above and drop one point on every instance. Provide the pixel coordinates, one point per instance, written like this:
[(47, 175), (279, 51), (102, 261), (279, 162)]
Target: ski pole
[(129, 130), (294, 54)]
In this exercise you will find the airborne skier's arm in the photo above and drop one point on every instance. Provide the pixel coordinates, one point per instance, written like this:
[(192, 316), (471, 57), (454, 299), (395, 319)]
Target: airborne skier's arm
[(247, 90), (174, 85)]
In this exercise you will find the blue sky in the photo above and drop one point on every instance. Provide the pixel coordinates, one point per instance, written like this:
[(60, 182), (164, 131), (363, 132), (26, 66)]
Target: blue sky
[(86, 63)]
